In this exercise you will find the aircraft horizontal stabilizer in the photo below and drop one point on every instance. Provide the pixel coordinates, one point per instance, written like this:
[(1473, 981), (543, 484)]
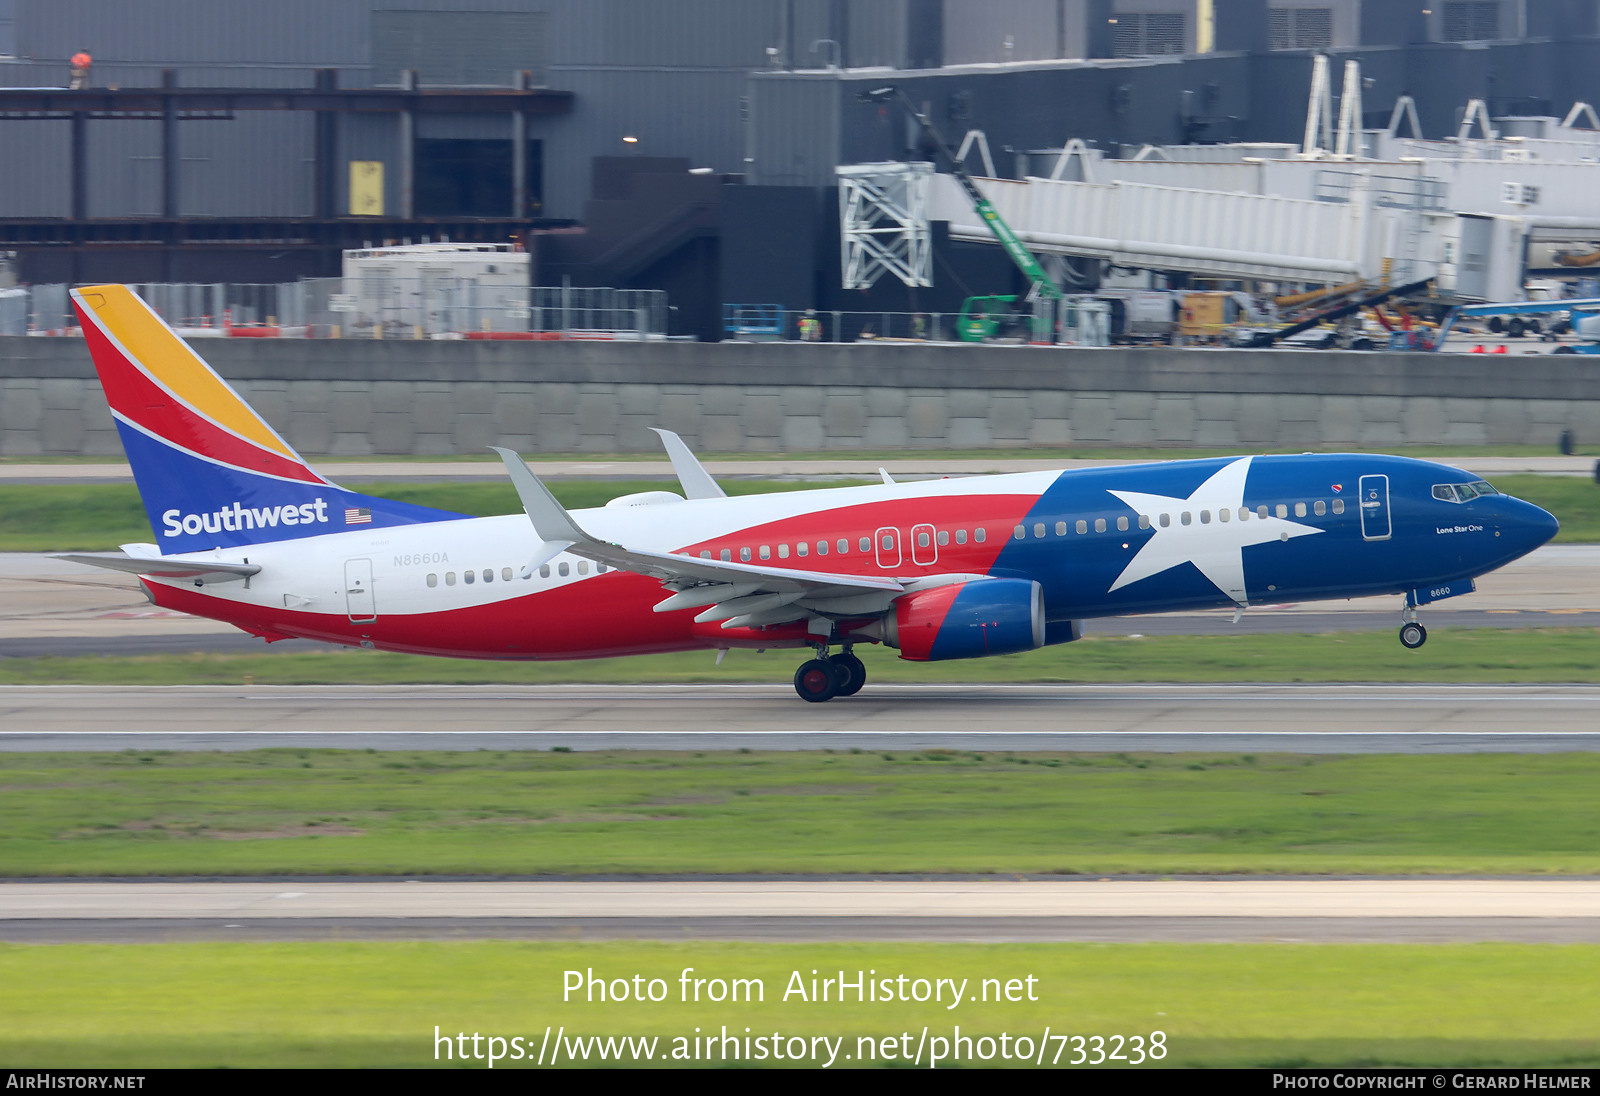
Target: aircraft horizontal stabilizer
[(209, 570)]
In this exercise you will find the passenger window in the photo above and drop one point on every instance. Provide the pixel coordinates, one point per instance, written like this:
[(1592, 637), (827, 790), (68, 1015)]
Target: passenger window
[(564, 570), (505, 574), (1299, 509), (488, 574), (1122, 525), (601, 568), (1244, 513), (1166, 521), (1338, 506), (1319, 508), (801, 549), (433, 580), (705, 553), (727, 555), (944, 537), (923, 540), (450, 578), (961, 536), (1144, 521), (1283, 511), (1061, 528), (744, 555), (544, 570), (1205, 517), (469, 577), (866, 544), (1186, 518), (1082, 526), (1099, 525), (844, 546), (888, 542), (822, 547), (979, 534), (1261, 511), (1224, 515), (766, 551), (1038, 529), (783, 551), (1019, 533), (583, 567)]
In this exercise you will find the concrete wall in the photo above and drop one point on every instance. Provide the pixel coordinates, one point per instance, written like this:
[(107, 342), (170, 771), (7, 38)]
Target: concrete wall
[(355, 398)]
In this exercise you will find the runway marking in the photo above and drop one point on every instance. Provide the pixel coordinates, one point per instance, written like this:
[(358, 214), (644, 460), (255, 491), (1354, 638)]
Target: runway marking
[(830, 732)]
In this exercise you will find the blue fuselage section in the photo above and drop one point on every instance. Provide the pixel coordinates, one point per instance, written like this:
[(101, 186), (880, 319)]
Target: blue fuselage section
[(1234, 531)]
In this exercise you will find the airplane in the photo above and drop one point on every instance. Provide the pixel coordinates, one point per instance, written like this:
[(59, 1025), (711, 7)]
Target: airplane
[(248, 533)]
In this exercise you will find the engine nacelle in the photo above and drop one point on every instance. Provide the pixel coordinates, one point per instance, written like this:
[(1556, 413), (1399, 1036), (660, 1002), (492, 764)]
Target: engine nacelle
[(990, 616)]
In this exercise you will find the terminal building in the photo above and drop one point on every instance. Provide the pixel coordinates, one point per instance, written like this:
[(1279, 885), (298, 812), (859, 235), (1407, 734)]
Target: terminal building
[(687, 145)]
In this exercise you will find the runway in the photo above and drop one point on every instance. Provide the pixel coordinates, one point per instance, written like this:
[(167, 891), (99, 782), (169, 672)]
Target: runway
[(1421, 910), (48, 607), (912, 465), (1166, 718)]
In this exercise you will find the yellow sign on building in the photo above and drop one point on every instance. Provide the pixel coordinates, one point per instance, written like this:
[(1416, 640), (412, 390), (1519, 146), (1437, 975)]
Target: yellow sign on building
[(366, 188)]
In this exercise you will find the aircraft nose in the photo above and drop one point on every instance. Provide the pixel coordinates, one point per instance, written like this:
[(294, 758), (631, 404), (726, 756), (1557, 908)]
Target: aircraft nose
[(1528, 526)]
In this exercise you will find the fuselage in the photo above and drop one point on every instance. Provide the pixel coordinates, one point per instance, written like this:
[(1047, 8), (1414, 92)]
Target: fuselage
[(1167, 536)]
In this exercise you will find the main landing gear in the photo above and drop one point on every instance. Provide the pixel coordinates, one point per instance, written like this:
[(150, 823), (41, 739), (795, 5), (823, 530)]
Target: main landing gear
[(1412, 634), (823, 678)]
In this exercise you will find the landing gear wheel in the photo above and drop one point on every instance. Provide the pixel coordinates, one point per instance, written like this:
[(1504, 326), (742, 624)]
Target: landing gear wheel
[(852, 673), (816, 681), (1413, 635), (1516, 328)]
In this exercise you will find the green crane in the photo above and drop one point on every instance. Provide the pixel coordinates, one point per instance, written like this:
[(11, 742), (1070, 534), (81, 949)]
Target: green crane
[(978, 320)]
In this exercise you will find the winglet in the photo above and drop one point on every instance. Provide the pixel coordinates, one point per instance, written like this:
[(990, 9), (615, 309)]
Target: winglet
[(550, 519), (697, 482)]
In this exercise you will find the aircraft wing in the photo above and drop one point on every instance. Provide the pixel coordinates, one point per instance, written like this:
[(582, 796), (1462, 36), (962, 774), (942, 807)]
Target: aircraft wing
[(740, 594), (697, 482), (165, 566)]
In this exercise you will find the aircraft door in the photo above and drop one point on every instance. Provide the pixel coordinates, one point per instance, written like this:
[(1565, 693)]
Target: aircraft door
[(887, 542), (358, 591), (924, 545), (1374, 499)]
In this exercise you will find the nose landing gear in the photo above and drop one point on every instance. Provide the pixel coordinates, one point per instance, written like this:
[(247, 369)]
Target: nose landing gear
[(1412, 633), (823, 678)]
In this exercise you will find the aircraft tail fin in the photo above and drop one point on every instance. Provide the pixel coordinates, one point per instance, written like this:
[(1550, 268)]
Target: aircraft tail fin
[(211, 472)]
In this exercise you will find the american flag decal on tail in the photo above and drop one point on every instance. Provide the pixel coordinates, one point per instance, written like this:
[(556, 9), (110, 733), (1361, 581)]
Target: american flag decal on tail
[(354, 515)]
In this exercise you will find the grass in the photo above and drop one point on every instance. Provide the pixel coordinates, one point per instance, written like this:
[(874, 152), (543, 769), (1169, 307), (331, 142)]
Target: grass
[(1519, 655), (1036, 452), (378, 1004), (99, 516), (332, 812)]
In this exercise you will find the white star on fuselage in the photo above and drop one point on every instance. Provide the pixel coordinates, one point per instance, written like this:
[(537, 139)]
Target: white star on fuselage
[(1217, 548)]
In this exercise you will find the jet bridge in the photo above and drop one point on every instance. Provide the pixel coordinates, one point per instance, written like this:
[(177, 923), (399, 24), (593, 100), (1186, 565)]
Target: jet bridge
[(1206, 232)]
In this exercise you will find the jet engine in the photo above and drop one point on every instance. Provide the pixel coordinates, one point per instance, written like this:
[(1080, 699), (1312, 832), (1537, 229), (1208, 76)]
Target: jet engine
[(990, 616)]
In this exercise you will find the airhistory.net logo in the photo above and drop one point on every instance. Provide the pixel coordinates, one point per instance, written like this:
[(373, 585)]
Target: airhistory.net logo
[(239, 517)]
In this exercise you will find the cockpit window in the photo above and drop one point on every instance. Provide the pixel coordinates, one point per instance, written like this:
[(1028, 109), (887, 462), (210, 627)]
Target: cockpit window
[(1462, 492)]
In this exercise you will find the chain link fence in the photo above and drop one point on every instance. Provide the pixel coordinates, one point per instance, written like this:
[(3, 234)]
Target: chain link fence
[(368, 307), (1072, 321)]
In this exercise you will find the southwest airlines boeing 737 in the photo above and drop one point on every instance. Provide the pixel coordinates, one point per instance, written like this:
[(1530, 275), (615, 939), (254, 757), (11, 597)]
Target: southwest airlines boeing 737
[(248, 533)]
